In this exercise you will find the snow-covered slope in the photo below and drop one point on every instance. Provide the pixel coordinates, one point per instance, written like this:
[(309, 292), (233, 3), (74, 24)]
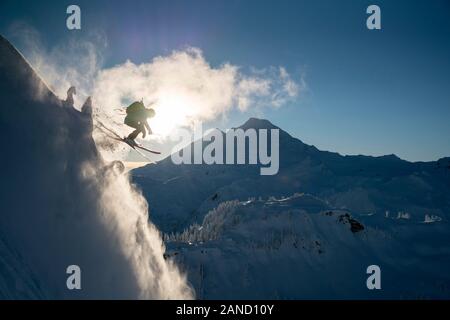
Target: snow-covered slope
[(299, 248), (61, 205), (17, 280)]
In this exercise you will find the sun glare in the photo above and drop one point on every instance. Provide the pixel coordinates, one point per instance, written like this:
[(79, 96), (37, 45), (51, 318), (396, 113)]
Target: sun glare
[(171, 111)]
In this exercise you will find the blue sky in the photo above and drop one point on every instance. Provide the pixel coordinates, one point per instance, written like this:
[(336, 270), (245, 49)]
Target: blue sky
[(369, 92)]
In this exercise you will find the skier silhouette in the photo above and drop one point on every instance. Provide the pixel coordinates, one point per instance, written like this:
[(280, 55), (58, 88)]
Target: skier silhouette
[(136, 118)]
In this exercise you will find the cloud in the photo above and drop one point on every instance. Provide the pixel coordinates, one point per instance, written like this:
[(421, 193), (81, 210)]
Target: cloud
[(185, 88)]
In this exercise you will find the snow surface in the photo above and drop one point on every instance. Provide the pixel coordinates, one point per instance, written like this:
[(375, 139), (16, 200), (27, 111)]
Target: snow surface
[(299, 248)]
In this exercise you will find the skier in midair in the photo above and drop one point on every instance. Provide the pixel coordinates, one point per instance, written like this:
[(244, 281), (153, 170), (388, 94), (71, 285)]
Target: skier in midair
[(136, 118)]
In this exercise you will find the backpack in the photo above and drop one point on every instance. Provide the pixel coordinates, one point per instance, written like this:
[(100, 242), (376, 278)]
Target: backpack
[(135, 107)]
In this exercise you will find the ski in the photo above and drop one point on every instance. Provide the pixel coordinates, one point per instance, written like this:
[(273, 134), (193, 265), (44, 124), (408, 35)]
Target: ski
[(113, 135)]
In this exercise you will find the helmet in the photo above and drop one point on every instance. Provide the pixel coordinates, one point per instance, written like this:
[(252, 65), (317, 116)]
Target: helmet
[(150, 113)]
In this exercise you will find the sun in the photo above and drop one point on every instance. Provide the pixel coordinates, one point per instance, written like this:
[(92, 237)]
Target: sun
[(171, 111)]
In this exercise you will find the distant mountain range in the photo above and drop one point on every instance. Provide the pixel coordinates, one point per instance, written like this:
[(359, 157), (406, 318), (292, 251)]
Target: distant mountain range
[(182, 194)]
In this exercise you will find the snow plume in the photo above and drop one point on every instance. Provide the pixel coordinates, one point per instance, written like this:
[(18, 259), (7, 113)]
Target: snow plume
[(62, 205), (74, 62), (124, 213), (184, 88)]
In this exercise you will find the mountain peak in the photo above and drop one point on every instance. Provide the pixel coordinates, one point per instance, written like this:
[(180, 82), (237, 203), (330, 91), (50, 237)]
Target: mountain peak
[(391, 156), (256, 123)]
